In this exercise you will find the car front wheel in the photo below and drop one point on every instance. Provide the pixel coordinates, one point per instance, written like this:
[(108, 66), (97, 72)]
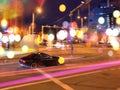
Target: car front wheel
[(34, 65)]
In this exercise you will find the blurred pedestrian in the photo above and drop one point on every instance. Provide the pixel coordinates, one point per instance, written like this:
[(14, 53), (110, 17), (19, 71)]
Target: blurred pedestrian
[(72, 49)]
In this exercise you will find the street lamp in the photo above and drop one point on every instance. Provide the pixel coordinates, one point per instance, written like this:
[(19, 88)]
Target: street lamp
[(38, 10), (81, 20)]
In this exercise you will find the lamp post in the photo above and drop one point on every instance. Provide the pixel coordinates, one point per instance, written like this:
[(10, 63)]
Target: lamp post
[(71, 44), (33, 22), (38, 10), (81, 20), (108, 3)]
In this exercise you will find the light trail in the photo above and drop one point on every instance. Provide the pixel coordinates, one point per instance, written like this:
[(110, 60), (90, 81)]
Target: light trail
[(65, 67), (62, 73), (48, 80)]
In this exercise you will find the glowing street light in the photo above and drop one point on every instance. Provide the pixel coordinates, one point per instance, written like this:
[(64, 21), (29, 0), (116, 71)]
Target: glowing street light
[(81, 19), (38, 10)]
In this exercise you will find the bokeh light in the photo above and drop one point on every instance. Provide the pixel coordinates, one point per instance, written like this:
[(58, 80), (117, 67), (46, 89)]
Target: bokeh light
[(10, 54), (118, 21), (15, 30), (116, 13), (74, 24), (2, 50), (101, 20), (5, 39), (25, 48), (65, 24), (11, 37), (100, 50), (4, 23), (51, 37), (37, 41), (62, 8), (80, 34), (115, 32), (115, 44), (110, 53), (39, 10), (62, 34), (72, 32), (17, 37), (61, 60), (109, 32)]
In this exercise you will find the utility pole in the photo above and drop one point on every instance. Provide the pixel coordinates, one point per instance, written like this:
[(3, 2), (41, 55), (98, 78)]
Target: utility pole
[(108, 3), (33, 22)]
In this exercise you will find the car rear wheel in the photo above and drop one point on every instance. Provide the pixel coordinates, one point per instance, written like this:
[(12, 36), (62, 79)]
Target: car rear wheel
[(34, 65)]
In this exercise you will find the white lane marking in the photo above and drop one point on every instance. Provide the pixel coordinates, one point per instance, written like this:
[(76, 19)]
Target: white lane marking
[(71, 57), (61, 78), (55, 80)]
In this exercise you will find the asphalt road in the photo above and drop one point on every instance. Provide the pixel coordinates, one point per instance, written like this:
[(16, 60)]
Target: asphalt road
[(83, 62), (101, 76)]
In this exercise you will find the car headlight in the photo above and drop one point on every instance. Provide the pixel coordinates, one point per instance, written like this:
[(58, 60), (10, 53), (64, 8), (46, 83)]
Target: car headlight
[(61, 60)]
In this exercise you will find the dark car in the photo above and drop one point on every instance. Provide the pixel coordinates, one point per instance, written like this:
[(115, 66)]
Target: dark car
[(37, 59)]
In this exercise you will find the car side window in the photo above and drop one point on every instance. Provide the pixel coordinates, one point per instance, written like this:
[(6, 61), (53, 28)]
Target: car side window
[(44, 55), (36, 56), (31, 56)]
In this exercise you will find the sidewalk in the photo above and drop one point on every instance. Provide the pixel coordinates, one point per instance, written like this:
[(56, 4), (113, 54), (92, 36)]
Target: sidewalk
[(5, 56), (16, 51)]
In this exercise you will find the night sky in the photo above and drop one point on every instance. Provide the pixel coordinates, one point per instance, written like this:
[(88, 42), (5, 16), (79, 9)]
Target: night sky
[(13, 10), (51, 14)]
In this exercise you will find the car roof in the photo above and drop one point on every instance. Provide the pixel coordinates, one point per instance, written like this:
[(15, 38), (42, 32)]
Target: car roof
[(41, 53)]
